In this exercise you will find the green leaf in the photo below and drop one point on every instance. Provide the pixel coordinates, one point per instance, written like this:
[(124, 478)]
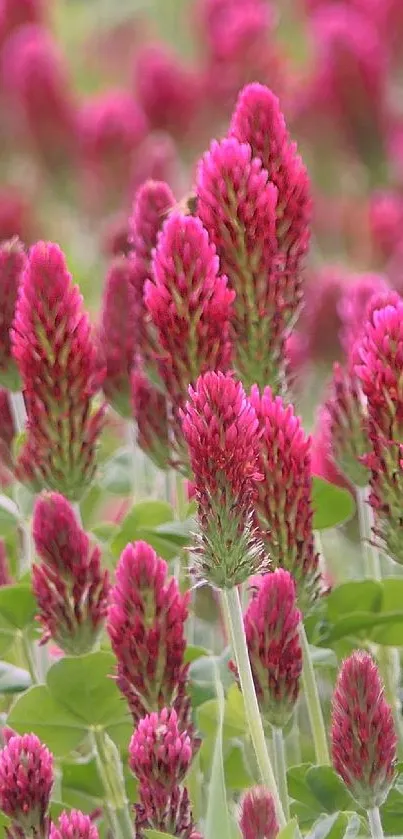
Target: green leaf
[(13, 679), (142, 519), (290, 831), (217, 817), (368, 609), (156, 834), (193, 653), (81, 786), (116, 475), (337, 826), (332, 505), (9, 515), (237, 776), (202, 676), (355, 596), (17, 612), (37, 711), (328, 789)]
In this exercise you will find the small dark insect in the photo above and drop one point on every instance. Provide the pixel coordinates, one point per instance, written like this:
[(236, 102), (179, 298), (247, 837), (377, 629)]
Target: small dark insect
[(187, 206)]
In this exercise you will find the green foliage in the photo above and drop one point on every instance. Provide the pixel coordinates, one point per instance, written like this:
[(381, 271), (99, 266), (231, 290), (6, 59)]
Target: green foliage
[(153, 522), (332, 505), (365, 610)]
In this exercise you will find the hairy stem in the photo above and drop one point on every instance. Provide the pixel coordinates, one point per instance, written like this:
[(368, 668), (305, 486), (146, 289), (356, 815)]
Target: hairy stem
[(281, 769), (240, 650), (313, 702), (111, 773), (375, 823)]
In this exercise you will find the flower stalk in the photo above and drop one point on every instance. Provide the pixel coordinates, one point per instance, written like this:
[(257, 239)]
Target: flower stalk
[(313, 702), (375, 823), (232, 605), (281, 768), (111, 774)]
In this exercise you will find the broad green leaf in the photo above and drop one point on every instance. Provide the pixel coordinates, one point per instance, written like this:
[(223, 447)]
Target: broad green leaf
[(81, 786), (298, 788), (328, 789), (355, 596), (337, 826), (37, 711), (116, 475), (193, 653), (237, 776), (156, 834), (332, 505), (142, 519), (13, 679), (17, 612), (217, 817), (290, 831)]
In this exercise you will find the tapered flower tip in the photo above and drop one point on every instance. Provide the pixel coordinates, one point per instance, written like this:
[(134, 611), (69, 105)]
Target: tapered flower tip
[(258, 119), (152, 202), (362, 733), (166, 89), (56, 533), (73, 825), (159, 753), (12, 264), (26, 780), (257, 818)]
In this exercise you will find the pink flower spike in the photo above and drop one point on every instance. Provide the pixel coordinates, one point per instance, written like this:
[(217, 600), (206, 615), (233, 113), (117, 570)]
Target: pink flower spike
[(150, 410), (166, 89), (73, 825), (237, 206), (348, 425), (146, 626), (284, 503), (362, 733), (258, 120), (165, 811), (26, 781), (70, 586), (353, 307), (221, 431), (257, 818), (118, 328), (190, 306), (160, 753), (59, 365), (12, 263), (272, 634)]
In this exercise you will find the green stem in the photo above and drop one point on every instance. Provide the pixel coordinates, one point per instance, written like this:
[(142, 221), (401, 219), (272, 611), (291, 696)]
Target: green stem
[(375, 823), (29, 657), (111, 773), (366, 520), (232, 604), (17, 408), (181, 499), (313, 702), (281, 769)]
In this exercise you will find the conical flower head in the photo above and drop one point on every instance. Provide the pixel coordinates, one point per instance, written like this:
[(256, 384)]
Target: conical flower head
[(354, 304), (146, 626), (73, 825), (59, 366), (12, 263), (348, 425), (284, 503), (272, 634), (363, 736), (385, 462), (160, 753), (26, 781), (190, 306), (237, 206), (258, 815), (150, 410), (258, 120), (118, 332), (221, 431), (379, 363), (166, 812), (70, 586)]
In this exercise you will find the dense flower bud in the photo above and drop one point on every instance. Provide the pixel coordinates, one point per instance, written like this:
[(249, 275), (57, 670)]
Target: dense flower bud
[(385, 462), (59, 365), (272, 634), (258, 815), (117, 333), (362, 733), (168, 812), (284, 503), (146, 626), (26, 781), (73, 825), (258, 120), (190, 306), (160, 753), (348, 425), (150, 410), (70, 586), (12, 264), (221, 431), (237, 206)]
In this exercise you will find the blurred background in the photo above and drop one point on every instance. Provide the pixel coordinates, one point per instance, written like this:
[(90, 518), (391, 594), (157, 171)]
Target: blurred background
[(96, 96)]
